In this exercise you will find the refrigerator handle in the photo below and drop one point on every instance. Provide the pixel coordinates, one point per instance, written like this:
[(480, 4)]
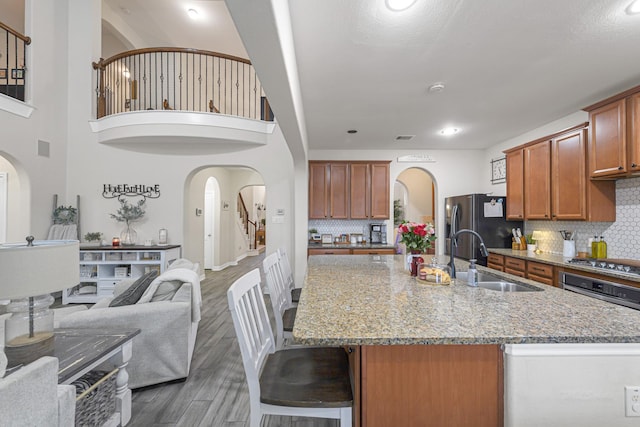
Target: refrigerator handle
[(454, 224)]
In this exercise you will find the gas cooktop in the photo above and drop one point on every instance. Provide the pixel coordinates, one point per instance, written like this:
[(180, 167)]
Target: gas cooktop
[(612, 265)]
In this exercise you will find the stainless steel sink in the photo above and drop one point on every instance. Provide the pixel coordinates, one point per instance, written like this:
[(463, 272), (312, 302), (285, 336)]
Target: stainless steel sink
[(495, 283)]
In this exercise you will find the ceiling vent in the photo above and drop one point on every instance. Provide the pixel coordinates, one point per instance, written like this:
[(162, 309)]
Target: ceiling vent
[(404, 137)]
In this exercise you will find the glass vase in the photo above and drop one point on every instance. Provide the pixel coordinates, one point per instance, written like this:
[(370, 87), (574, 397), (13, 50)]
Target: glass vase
[(128, 236), (416, 260)]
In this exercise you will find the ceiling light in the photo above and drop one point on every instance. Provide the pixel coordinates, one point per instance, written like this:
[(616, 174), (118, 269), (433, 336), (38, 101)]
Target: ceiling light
[(449, 131), (399, 5), (436, 88), (193, 14), (633, 8)]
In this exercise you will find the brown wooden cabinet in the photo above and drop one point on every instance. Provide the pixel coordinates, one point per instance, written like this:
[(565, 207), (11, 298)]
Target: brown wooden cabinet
[(633, 123), (349, 190), (495, 261), (540, 272), (548, 179), (515, 184), (515, 266), (328, 190), (574, 195), (537, 181), (608, 140), (327, 251), (351, 251), (373, 251)]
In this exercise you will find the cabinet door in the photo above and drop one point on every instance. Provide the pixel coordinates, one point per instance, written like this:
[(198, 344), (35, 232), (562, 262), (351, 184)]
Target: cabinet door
[(380, 191), (608, 140), (515, 185), (318, 190), (360, 191), (537, 181), (339, 190), (634, 126), (568, 161)]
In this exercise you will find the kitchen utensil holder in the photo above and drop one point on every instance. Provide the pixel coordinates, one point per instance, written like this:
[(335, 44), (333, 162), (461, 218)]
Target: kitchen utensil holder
[(569, 249)]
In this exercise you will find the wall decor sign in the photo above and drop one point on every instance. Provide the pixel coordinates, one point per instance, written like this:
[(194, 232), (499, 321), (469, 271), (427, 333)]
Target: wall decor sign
[(126, 190), (416, 158), (17, 73)]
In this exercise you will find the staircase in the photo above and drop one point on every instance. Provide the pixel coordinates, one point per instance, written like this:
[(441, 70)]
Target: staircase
[(250, 230)]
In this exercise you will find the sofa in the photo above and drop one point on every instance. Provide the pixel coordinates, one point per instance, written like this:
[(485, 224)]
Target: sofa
[(31, 396), (168, 323)]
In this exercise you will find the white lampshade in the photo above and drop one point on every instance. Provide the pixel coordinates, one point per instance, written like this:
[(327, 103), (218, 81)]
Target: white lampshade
[(47, 266), (537, 235)]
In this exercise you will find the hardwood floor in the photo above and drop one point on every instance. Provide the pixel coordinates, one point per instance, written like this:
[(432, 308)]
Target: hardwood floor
[(216, 393)]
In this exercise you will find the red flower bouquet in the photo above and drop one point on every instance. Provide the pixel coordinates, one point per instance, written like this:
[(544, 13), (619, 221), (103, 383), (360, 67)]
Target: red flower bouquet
[(417, 237)]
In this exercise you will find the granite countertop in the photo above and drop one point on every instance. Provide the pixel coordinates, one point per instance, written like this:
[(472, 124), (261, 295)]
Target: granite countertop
[(560, 261), (372, 300)]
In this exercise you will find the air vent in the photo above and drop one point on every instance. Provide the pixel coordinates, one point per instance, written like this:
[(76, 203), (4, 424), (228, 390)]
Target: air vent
[(404, 137)]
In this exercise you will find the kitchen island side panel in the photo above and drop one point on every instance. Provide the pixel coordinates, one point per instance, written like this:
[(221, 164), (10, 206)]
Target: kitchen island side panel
[(425, 385)]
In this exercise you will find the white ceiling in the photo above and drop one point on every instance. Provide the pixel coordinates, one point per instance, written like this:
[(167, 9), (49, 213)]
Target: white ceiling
[(508, 65)]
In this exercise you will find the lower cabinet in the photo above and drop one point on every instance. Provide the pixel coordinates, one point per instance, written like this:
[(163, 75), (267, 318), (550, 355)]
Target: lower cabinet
[(428, 385), (515, 266), (540, 272), (532, 270), (495, 261)]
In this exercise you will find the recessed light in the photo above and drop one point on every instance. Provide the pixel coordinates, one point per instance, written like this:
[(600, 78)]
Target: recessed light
[(436, 88), (399, 5), (352, 131), (633, 8), (449, 131), (193, 14)]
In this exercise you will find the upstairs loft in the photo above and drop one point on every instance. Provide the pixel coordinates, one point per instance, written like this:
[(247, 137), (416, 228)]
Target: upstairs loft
[(160, 100)]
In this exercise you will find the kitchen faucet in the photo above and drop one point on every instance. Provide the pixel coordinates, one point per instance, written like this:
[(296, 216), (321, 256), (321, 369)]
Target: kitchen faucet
[(483, 248)]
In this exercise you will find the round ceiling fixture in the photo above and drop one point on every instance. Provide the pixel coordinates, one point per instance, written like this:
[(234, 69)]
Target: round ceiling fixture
[(193, 14), (436, 88), (449, 131), (399, 5)]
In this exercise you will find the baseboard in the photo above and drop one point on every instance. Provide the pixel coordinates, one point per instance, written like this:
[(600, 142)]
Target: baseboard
[(223, 266)]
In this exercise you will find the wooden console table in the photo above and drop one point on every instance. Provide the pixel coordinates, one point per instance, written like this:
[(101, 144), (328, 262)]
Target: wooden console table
[(82, 350)]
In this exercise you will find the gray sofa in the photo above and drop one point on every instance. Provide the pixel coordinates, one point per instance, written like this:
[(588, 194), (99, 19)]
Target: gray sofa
[(164, 348)]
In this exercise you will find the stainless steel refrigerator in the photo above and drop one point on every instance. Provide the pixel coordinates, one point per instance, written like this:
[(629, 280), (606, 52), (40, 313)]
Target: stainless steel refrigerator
[(482, 214)]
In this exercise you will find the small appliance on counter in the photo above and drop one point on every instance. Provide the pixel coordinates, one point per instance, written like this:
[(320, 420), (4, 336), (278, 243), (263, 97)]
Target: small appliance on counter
[(378, 233)]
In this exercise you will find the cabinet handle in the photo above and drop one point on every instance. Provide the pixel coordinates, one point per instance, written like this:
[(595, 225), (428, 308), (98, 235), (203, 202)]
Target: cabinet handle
[(633, 165), (620, 168)]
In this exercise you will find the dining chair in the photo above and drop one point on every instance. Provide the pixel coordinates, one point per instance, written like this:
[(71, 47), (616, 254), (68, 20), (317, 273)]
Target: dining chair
[(283, 311), (288, 275), (303, 382)]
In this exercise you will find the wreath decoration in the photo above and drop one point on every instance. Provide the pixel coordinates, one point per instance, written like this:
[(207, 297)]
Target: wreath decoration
[(65, 215)]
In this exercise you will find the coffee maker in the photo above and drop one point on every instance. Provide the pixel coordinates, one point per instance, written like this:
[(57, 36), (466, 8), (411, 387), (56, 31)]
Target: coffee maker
[(378, 233)]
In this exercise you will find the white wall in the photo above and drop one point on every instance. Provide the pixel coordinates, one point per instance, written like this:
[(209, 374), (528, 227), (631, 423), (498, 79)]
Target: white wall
[(419, 187)]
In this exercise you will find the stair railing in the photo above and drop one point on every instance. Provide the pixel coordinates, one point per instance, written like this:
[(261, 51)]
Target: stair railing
[(167, 78), (249, 226), (13, 51)]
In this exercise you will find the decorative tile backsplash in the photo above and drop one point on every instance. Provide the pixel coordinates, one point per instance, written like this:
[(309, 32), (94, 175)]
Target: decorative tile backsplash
[(348, 226), (622, 236)]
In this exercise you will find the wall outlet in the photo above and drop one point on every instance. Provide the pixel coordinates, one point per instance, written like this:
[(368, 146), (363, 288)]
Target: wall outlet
[(632, 401)]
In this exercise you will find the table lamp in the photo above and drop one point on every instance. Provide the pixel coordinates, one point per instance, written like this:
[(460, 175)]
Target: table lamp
[(537, 236), (28, 274)]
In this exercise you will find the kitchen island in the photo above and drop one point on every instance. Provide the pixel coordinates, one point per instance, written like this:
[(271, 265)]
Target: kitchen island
[(431, 355)]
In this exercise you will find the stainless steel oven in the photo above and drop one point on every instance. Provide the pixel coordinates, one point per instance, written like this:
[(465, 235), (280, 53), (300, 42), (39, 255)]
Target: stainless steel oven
[(601, 289)]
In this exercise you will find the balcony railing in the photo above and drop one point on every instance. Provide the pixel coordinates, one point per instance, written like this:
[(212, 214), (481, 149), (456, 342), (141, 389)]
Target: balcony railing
[(179, 79), (13, 51)]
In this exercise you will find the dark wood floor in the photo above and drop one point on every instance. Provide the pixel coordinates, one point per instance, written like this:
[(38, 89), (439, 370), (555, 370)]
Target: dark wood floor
[(216, 393)]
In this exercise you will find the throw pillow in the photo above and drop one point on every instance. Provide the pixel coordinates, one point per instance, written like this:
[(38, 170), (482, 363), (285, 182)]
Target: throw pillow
[(135, 291), (166, 290)]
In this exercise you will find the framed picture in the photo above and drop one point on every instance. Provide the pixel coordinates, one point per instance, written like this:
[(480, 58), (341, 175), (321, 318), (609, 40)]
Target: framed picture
[(3, 73), (17, 73), (498, 170)]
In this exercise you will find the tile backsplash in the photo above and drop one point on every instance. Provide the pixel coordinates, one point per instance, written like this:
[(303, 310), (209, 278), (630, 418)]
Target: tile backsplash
[(622, 236), (348, 226)]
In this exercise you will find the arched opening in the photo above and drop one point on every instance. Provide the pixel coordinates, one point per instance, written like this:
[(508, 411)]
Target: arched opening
[(211, 194), (414, 197), (14, 201)]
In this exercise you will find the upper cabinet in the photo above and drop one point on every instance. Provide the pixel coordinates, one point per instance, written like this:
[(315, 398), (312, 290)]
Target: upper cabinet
[(349, 190), (537, 180), (614, 138), (548, 179), (328, 190)]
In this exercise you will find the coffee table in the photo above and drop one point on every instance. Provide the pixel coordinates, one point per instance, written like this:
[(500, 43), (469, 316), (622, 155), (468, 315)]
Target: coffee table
[(82, 350)]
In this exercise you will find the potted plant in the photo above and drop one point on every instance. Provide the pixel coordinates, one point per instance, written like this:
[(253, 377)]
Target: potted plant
[(129, 213), (92, 237)]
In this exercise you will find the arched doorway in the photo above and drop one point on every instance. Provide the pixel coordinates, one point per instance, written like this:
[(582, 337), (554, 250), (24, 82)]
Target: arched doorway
[(414, 197), (15, 211)]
